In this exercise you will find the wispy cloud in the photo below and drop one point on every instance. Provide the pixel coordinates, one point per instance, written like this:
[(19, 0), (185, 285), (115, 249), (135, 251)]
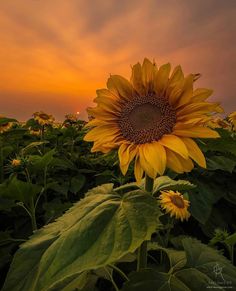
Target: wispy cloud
[(55, 54)]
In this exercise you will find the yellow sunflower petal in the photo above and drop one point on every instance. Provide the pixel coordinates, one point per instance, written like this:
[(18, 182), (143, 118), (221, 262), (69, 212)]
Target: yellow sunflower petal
[(161, 78), (123, 153), (175, 144), (148, 75), (146, 166), (95, 122), (202, 107), (173, 162), (138, 171), (103, 148), (155, 155), (102, 113), (120, 87), (187, 93), (108, 104), (126, 154), (106, 93), (176, 76), (100, 132), (137, 80), (187, 164), (201, 94), (194, 151), (197, 132)]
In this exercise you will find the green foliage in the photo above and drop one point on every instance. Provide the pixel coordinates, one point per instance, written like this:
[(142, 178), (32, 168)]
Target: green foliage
[(19, 191), (204, 268), (92, 246), (166, 183), (97, 231)]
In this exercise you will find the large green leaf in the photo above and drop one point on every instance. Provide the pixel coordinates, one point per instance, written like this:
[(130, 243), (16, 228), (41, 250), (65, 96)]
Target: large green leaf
[(205, 267), (96, 231), (151, 280), (160, 183), (166, 183), (202, 199), (222, 145), (177, 258), (221, 163)]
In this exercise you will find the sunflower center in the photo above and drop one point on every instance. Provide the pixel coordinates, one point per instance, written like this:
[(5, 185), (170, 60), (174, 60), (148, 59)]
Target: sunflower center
[(177, 201), (43, 116), (146, 119)]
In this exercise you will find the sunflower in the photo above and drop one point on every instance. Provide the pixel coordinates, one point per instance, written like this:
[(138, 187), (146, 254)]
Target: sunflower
[(5, 126), (232, 119), (152, 119), (34, 131), (218, 122), (71, 118), (43, 118), (16, 162), (175, 204)]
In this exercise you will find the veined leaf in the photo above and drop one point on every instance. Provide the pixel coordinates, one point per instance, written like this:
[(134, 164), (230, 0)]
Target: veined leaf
[(205, 267), (33, 145), (166, 183), (97, 231), (19, 190), (41, 162), (221, 163), (151, 280), (202, 199)]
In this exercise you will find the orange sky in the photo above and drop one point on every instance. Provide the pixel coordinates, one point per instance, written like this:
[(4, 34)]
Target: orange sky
[(54, 54)]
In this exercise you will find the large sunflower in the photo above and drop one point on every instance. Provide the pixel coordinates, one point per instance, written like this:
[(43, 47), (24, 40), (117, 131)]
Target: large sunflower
[(43, 118), (152, 119)]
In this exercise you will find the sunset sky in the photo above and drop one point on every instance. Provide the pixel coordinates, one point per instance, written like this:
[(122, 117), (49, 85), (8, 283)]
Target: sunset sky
[(54, 54)]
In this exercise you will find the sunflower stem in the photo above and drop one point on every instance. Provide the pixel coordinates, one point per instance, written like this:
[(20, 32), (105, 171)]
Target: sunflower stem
[(142, 251)]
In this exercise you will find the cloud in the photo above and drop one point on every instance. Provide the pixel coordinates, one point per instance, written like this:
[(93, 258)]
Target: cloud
[(60, 51)]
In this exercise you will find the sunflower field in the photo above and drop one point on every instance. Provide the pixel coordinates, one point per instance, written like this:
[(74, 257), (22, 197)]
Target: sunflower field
[(140, 197)]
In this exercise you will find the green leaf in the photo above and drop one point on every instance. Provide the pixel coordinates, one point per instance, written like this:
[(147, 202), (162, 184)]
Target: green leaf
[(205, 267), (220, 163), (151, 280), (6, 151), (231, 239), (4, 120), (32, 145), (127, 187), (41, 162), (221, 145), (102, 189), (63, 164), (79, 283), (97, 231), (54, 209), (19, 190), (202, 199), (5, 204), (177, 258), (166, 183), (77, 183)]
